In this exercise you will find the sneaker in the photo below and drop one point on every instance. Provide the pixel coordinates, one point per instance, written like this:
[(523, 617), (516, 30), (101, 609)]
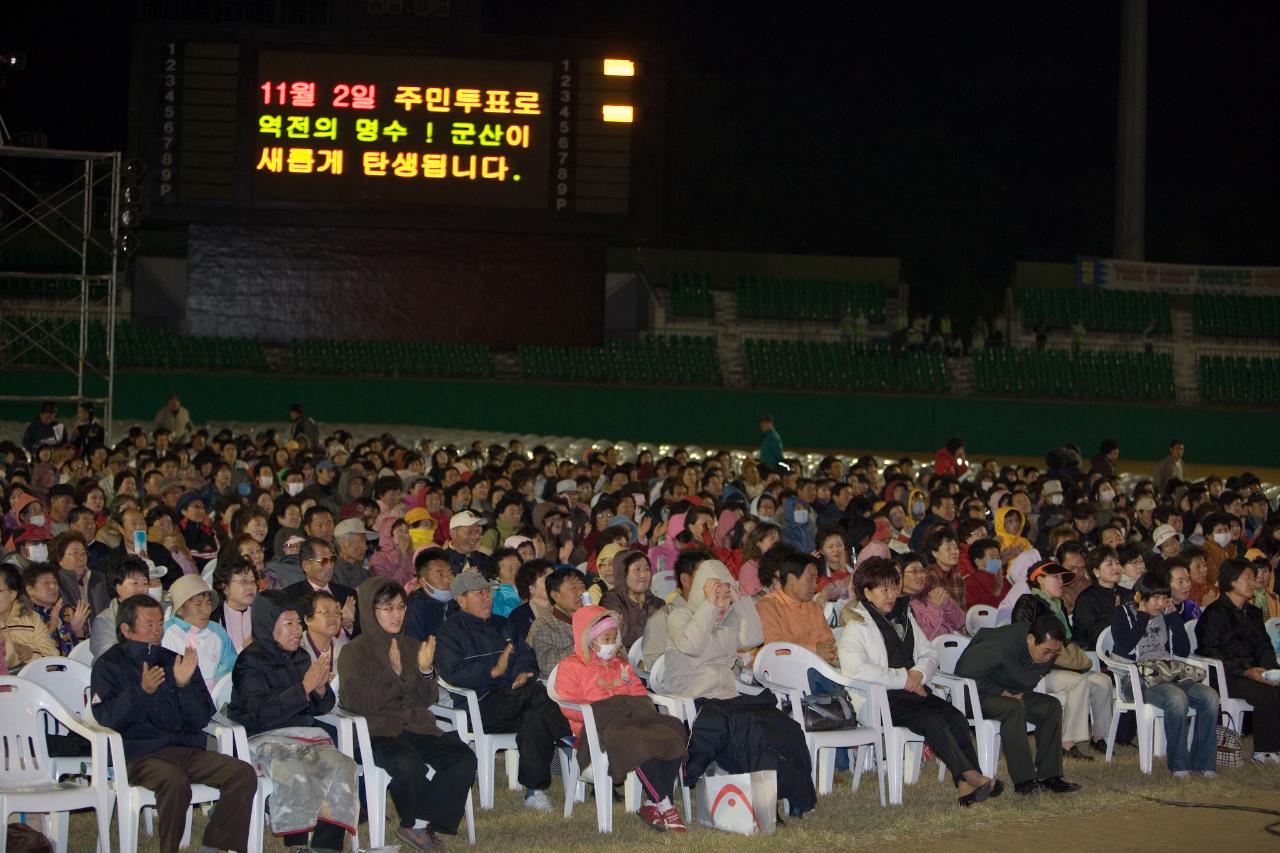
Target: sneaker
[(654, 818), (538, 802), (672, 819), (1209, 774), (1182, 774), (1265, 757)]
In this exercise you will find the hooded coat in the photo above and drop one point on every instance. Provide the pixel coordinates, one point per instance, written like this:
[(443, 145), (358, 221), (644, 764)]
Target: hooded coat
[(266, 683), (1017, 576), (703, 646), (370, 687), (1010, 542), (631, 730)]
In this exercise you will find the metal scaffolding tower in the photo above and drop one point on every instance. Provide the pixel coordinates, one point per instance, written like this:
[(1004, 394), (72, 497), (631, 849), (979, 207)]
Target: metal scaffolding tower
[(59, 261)]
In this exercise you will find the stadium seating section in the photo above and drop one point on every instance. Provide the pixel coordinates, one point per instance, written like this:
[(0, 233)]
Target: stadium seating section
[(1230, 315), (1099, 310), (57, 264), (391, 358), (689, 295), (1239, 380), (839, 366), (657, 360), (137, 346), (775, 298), (1058, 373)]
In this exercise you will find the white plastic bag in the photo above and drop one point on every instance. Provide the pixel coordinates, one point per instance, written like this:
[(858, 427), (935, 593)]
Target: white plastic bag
[(745, 803)]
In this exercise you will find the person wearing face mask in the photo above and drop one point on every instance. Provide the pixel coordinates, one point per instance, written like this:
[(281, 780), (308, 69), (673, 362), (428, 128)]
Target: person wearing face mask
[(30, 545), (432, 602), (29, 512), (632, 732), (1218, 547), (277, 692), (1052, 511), (1132, 565), (983, 571), (799, 523)]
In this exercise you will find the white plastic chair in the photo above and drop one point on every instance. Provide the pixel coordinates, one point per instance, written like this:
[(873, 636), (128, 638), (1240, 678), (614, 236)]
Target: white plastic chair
[(28, 780), (784, 668), (1273, 631), (677, 706), (1233, 707), (82, 653), (980, 616), (574, 786), (68, 681), (958, 689), (486, 745), (1190, 625), (635, 657), (1150, 718), (353, 732)]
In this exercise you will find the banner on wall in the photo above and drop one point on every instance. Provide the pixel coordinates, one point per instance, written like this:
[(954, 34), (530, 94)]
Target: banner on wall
[(1173, 278)]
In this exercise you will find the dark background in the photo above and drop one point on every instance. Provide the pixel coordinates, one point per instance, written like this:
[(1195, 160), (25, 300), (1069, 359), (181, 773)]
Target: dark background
[(959, 137)]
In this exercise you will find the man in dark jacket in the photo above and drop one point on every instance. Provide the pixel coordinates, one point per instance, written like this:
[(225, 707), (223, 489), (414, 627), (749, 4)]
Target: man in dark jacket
[(942, 510), (317, 565), (432, 602), (160, 706), (131, 520), (1007, 663), (303, 425), (480, 651)]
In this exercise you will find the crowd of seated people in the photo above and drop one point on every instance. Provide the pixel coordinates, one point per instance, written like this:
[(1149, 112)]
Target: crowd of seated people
[(279, 561)]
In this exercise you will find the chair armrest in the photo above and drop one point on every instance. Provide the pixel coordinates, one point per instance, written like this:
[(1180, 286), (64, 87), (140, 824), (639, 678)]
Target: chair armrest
[(960, 690), (1119, 665), (1214, 666)]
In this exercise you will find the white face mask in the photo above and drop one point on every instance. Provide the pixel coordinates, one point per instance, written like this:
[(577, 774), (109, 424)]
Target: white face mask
[(1223, 539), (1055, 500), (156, 592), (1126, 582), (265, 481), (801, 516), (293, 489), (606, 651), (36, 521), (1107, 495), (38, 552)]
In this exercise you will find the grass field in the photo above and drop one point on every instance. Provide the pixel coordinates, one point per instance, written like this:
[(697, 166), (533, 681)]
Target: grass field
[(1096, 818)]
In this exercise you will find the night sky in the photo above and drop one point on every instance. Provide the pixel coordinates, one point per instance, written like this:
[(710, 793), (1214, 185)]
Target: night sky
[(960, 137)]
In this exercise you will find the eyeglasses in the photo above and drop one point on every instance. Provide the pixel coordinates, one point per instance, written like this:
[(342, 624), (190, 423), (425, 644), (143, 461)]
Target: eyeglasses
[(245, 581), (392, 608), (324, 561), (327, 613)]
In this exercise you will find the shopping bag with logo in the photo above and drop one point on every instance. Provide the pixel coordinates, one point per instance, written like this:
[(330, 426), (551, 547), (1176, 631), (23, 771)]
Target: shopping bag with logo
[(745, 803)]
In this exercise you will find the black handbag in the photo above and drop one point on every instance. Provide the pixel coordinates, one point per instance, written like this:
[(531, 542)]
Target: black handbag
[(828, 712)]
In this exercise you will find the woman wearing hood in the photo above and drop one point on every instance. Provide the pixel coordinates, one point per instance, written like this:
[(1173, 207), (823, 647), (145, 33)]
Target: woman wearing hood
[(389, 678), (704, 637), (277, 692), (632, 732), (394, 558), (1017, 575), (1010, 523)]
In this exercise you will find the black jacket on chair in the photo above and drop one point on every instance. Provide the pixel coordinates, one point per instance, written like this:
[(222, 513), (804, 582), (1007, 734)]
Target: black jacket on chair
[(1092, 615)]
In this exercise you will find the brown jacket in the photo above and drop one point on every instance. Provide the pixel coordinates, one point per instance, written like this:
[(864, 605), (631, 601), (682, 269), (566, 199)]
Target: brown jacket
[(370, 687), (26, 637)]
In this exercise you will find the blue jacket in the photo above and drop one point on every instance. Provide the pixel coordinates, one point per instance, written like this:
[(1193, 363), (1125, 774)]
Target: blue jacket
[(468, 647), (147, 723), (1129, 626), (426, 615)]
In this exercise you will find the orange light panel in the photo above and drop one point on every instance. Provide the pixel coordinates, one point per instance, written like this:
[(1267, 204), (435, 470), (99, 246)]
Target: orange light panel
[(619, 68), (618, 112)]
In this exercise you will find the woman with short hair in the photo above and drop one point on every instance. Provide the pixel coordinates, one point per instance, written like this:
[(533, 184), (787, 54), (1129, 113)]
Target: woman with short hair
[(882, 644), (630, 597)]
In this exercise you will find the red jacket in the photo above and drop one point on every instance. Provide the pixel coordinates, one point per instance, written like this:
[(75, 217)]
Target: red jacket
[(979, 587)]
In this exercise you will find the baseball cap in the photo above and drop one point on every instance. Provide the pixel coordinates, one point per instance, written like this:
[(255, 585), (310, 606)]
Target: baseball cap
[(567, 485), (188, 499), (466, 518), (31, 533), (353, 525), (469, 582), (1049, 567)]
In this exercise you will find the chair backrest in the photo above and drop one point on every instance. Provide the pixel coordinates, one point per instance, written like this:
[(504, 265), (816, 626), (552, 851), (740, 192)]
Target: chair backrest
[(221, 693), (785, 666), (656, 673), (82, 653), (67, 680), (949, 648), (831, 612), (980, 616), (24, 757), (1273, 631), (1191, 634), (551, 684), (635, 656), (209, 568), (1105, 645)]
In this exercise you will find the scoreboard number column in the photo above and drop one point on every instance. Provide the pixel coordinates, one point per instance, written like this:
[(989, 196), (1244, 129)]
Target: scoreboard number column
[(562, 199), (168, 121)]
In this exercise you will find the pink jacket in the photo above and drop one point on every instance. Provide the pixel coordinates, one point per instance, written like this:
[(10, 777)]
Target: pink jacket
[(387, 562), (935, 621), (583, 677)]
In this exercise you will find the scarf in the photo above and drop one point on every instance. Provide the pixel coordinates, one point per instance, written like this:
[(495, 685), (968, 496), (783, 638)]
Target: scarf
[(1055, 604), (62, 634)]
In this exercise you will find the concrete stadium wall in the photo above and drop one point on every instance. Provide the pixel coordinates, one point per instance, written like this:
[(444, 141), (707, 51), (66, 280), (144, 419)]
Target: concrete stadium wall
[(710, 416)]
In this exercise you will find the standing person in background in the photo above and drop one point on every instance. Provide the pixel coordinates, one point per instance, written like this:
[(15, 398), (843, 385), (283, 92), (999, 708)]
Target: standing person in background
[(950, 459), (45, 430), (303, 425), (174, 417), (1170, 468), (771, 446)]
